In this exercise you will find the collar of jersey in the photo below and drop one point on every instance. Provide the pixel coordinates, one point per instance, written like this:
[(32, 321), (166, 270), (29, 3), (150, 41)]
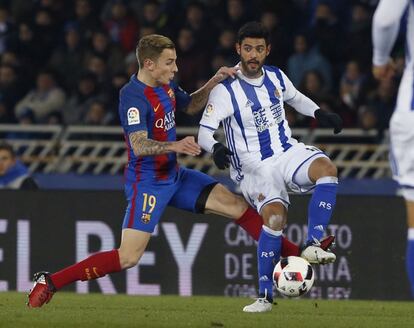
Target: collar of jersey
[(260, 80)]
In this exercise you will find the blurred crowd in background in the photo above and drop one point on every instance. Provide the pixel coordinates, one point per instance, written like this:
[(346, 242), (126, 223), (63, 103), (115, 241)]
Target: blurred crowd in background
[(64, 62)]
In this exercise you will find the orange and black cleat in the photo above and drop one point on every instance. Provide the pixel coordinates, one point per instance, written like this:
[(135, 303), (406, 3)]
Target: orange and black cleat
[(42, 291)]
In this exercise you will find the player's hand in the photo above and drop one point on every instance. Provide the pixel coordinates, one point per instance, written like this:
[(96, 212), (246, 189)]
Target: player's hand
[(384, 72), (221, 156), (224, 72), (327, 119), (186, 146)]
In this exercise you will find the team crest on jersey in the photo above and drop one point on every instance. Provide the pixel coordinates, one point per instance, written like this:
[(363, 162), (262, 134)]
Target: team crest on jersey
[(171, 93), (133, 116), (146, 218), (277, 93), (261, 197), (209, 110)]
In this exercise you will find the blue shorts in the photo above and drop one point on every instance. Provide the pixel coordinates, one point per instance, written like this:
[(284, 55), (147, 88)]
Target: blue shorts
[(147, 201)]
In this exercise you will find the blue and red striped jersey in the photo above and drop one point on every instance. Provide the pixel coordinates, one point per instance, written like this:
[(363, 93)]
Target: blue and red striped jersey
[(144, 108)]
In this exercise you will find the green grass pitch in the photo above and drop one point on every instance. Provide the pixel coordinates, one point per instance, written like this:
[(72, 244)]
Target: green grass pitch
[(97, 310)]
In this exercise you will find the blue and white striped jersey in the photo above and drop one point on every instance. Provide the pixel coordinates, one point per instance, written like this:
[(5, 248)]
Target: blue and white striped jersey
[(388, 17), (386, 24), (253, 116)]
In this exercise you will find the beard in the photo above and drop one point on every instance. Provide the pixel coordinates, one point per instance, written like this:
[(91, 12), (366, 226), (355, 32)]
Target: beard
[(252, 68)]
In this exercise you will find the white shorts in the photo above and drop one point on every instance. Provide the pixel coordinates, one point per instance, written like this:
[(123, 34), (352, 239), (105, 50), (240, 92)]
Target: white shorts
[(402, 148), (269, 180)]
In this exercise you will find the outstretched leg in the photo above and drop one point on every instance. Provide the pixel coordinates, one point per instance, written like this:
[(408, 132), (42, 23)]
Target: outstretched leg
[(97, 265)]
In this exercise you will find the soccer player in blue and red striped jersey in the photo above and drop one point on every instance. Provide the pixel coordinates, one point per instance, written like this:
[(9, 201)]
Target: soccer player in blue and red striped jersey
[(153, 179)]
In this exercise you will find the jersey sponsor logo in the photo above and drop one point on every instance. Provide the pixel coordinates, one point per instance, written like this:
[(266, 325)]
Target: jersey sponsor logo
[(264, 118), (133, 116), (260, 120), (209, 110), (157, 107), (261, 197), (276, 110), (167, 122)]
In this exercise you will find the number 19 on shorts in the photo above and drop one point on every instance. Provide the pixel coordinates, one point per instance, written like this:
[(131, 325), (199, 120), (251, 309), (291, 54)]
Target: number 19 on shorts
[(149, 202)]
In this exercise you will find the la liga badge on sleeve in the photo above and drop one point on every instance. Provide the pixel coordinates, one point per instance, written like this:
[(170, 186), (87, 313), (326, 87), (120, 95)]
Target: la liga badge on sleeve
[(133, 116)]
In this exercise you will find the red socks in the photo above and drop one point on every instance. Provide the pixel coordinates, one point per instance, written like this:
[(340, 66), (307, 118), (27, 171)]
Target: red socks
[(252, 222), (93, 267), (102, 263), (289, 248)]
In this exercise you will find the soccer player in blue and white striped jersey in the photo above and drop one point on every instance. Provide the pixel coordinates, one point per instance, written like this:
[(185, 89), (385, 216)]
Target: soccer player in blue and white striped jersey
[(265, 160), (386, 24)]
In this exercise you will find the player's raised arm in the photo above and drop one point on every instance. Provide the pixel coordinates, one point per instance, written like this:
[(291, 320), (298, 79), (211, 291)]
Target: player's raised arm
[(199, 97), (308, 107), (385, 27), (142, 146)]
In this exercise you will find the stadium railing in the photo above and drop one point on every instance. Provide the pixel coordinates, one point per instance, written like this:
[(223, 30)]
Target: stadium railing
[(101, 150)]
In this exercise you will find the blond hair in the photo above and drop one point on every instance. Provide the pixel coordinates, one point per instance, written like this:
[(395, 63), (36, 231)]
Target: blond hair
[(151, 47)]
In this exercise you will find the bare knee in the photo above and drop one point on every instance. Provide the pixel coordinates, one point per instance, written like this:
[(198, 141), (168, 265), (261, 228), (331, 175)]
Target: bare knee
[(322, 167), (223, 202), (133, 244), (274, 216), (128, 258), (330, 170), (275, 222)]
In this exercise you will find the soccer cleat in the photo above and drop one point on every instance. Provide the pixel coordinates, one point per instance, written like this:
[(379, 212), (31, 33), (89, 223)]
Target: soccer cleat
[(317, 252), (42, 291), (260, 305)]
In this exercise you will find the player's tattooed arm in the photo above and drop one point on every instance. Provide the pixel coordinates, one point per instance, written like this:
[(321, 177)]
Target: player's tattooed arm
[(142, 146), (199, 98)]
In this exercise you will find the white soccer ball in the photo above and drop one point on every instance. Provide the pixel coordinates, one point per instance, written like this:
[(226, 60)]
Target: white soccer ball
[(293, 276)]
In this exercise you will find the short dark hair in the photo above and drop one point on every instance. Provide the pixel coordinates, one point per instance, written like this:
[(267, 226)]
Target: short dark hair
[(253, 30), (7, 147)]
